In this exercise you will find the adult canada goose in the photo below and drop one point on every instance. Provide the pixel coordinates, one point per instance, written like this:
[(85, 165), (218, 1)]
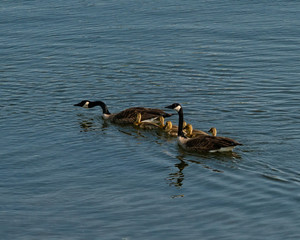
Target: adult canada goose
[(190, 132), (213, 131), (201, 143), (126, 116), (145, 125)]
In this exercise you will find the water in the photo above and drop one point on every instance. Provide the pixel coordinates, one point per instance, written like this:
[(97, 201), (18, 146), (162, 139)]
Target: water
[(67, 174)]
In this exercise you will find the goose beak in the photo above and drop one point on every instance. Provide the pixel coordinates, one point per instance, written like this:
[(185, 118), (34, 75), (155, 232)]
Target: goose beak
[(171, 107), (78, 104)]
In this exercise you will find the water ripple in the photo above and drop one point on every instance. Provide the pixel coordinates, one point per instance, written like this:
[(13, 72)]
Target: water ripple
[(66, 173)]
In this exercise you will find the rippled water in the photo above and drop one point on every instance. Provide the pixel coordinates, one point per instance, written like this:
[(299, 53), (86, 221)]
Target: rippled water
[(67, 174)]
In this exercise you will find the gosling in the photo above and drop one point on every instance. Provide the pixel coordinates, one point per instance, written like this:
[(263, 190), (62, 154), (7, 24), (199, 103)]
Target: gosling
[(191, 133), (213, 131), (144, 125)]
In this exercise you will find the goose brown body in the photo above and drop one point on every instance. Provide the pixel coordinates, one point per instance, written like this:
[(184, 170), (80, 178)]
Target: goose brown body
[(129, 115), (206, 143)]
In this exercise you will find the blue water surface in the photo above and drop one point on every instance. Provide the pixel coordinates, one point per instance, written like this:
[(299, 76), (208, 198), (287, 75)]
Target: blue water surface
[(68, 174)]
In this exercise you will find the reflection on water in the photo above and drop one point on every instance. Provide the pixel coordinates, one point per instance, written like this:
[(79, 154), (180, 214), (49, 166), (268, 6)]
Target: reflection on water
[(86, 126), (92, 124), (75, 175), (176, 178)]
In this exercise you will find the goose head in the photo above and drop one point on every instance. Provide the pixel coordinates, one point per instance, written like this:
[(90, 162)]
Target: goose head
[(175, 106), (213, 131), (84, 104)]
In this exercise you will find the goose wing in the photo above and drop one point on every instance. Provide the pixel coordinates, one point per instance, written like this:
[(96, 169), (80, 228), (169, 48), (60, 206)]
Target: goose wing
[(208, 143)]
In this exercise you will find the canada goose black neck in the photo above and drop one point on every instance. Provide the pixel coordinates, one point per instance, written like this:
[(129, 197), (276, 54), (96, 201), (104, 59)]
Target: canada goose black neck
[(177, 107), (180, 126), (102, 105)]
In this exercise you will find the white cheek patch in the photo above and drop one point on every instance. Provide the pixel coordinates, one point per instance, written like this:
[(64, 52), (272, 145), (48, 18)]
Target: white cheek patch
[(86, 105), (177, 108)]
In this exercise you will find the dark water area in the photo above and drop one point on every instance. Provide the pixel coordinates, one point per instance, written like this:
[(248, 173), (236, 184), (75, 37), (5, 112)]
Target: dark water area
[(68, 174)]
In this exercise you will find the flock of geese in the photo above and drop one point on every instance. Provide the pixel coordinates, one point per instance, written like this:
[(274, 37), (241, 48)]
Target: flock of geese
[(151, 118)]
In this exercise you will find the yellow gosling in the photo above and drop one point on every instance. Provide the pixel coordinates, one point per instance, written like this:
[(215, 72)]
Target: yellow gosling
[(213, 131), (190, 132), (144, 125), (170, 129), (161, 122)]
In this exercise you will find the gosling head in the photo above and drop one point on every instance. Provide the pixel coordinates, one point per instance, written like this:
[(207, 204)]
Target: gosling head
[(213, 131), (189, 129), (84, 104), (168, 126), (176, 106)]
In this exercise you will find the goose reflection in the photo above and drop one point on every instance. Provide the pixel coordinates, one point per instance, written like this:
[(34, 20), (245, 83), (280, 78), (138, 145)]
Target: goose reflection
[(92, 124), (86, 125), (176, 178)]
